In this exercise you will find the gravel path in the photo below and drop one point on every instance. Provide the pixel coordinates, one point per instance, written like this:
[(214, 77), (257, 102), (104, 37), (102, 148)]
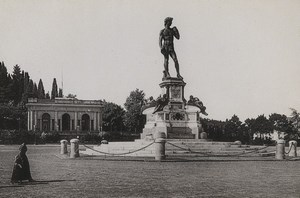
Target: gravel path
[(58, 177)]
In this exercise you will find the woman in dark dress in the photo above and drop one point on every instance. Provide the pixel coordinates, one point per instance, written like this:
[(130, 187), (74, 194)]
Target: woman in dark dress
[(21, 170)]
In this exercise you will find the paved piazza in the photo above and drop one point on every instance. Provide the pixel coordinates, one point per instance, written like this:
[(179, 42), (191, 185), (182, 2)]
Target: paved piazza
[(85, 177)]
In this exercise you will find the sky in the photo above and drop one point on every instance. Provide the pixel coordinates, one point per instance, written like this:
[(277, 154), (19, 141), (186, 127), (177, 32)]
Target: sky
[(238, 57)]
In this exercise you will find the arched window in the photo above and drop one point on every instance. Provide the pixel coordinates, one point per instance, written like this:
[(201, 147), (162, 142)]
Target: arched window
[(66, 122), (85, 122)]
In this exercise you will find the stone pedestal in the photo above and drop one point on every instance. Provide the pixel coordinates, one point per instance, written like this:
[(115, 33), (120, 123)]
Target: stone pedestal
[(280, 150), (74, 148), (177, 120), (63, 147), (160, 141)]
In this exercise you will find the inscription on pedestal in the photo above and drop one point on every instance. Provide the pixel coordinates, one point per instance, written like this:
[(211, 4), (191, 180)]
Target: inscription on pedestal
[(180, 133)]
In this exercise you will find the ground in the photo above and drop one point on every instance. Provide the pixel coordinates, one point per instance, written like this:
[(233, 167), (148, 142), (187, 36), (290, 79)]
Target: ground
[(95, 177)]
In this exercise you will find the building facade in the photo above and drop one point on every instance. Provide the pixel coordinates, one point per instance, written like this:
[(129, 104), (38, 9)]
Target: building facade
[(64, 114)]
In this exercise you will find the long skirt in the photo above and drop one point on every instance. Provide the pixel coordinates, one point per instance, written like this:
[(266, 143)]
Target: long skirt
[(21, 169)]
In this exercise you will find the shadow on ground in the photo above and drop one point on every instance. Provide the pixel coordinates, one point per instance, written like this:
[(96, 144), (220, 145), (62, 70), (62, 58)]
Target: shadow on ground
[(36, 182)]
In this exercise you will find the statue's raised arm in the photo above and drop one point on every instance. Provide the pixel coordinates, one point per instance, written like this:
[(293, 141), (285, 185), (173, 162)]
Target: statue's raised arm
[(176, 32)]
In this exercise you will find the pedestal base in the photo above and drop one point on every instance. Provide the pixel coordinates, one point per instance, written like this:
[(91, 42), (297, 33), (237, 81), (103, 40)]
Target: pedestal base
[(176, 124)]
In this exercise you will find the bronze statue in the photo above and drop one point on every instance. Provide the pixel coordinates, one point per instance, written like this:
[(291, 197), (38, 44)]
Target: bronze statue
[(166, 37), (196, 102), (161, 102)]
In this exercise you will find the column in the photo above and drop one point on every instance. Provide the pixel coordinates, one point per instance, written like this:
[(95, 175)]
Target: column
[(60, 124), (40, 124), (75, 122), (98, 120), (35, 121), (31, 120), (55, 121), (70, 123), (50, 129), (28, 120), (90, 125), (95, 121)]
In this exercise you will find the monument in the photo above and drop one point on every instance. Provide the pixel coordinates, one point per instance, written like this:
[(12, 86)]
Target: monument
[(171, 113)]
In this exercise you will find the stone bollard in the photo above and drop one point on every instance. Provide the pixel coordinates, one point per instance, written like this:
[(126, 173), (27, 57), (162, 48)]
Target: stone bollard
[(63, 147), (160, 141), (293, 148), (74, 148), (280, 150), (203, 135)]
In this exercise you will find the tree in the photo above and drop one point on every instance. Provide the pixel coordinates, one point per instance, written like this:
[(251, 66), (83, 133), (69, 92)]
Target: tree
[(133, 119), (214, 128), (41, 90), (5, 84), (279, 122), (35, 91), (12, 117), (26, 89), (295, 119), (47, 96), (54, 92), (71, 96), (249, 127), (29, 91), (60, 93), (295, 122), (17, 85), (233, 129), (262, 127), (113, 117)]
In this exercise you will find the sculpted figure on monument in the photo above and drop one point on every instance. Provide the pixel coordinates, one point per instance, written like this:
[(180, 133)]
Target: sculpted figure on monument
[(196, 102), (166, 38), (161, 102), (150, 102)]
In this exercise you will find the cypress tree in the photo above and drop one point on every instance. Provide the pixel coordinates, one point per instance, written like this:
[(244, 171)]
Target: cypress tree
[(30, 89), (17, 86), (41, 90), (35, 91), (54, 92), (47, 96), (25, 87), (5, 84), (60, 94)]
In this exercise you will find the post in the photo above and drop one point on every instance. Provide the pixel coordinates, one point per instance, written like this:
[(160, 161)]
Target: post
[(74, 148), (63, 147), (293, 148), (203, 135), (280, 150), (160, 141)]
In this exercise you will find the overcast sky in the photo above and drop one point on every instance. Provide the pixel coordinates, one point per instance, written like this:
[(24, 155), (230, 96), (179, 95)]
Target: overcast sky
[(239, 57)]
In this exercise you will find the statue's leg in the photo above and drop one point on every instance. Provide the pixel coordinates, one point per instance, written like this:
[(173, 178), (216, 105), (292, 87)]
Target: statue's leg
[(174, 57), (166, 65)]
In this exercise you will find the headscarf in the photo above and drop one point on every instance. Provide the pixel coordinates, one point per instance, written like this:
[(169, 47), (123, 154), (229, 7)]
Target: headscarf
[(23, 148)]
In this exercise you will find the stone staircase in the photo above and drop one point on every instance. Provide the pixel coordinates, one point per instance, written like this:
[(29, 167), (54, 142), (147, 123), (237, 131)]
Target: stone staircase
[(209, 148), (178, 148)]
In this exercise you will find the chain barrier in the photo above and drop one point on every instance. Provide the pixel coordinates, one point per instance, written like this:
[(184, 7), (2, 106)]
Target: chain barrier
[(290, 148), (118, 154), (210, 155)]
